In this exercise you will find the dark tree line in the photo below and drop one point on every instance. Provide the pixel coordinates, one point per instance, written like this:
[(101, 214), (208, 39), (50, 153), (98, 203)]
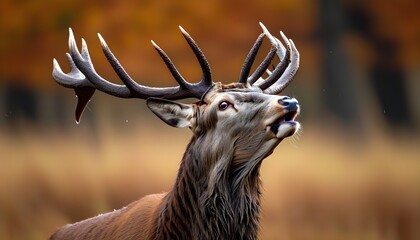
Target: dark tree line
[(385, 75)]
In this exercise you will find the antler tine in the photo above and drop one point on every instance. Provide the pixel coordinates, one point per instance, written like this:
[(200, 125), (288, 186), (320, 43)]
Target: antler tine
[(250, 58), (73, 79), (289, 73), (175, 73), (267, 60), (196, 90), (85, 66), (205, 67), (284, 56)]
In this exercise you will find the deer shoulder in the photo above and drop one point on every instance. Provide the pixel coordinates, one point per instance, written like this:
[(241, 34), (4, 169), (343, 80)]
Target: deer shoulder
[(134, 221)]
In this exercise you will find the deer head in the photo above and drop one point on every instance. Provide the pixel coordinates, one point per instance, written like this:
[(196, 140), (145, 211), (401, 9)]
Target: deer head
[(235, 126)]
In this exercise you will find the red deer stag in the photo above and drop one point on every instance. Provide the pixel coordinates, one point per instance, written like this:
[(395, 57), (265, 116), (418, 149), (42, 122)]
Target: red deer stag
[(216, 194)]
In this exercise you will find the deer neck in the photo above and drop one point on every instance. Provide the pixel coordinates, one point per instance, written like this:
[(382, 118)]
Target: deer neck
[(210, 200)]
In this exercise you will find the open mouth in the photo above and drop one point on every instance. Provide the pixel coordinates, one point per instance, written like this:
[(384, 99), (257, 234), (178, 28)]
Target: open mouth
[(285, 126)]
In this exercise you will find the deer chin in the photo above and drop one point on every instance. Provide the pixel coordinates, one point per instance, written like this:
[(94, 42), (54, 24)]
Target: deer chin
[(285, 126)]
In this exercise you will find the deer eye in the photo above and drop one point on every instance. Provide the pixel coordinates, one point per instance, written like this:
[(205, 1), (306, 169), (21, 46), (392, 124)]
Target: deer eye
[(224, 105)]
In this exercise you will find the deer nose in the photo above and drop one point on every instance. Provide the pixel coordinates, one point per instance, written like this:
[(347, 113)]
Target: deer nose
[(289, 103)]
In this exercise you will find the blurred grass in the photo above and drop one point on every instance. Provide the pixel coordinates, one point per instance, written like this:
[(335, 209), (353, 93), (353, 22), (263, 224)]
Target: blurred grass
[(321, 186)]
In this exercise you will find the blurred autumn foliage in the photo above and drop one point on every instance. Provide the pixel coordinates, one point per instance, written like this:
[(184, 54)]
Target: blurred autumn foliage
[(34, 32)]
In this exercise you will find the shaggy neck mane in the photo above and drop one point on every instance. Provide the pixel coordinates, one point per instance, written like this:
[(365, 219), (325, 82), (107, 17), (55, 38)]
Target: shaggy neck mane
[(212, 198)]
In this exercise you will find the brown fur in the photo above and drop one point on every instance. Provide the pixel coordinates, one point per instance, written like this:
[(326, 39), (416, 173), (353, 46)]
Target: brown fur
[(132, 222), (217, 191)]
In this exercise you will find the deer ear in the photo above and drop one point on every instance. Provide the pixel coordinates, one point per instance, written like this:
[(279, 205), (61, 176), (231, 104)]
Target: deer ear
[(175, 114)]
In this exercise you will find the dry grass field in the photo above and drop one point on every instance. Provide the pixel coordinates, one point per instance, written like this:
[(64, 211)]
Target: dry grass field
[(321, 185)]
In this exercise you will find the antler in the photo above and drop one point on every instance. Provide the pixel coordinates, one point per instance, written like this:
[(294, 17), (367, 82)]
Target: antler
[(282, 74), (84, 79)]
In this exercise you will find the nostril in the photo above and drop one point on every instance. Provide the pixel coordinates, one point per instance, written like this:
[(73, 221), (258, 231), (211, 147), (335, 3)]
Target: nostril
[(284, 101), (288, 103)]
